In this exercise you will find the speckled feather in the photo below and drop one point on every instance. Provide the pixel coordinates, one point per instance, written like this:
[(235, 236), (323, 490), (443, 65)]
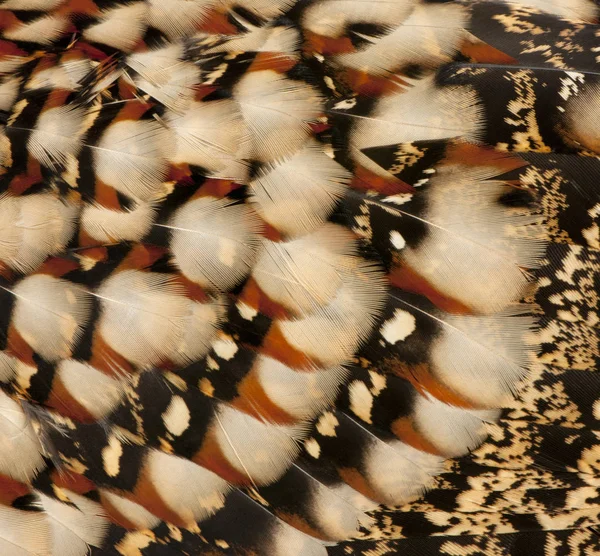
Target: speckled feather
[(304, 277)]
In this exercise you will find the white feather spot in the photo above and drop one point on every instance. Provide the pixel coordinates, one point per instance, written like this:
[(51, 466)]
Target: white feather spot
[(111, 456), (225, 348), (327, 424), (177, 416), (397, 240), (361, 400), (399, 327)]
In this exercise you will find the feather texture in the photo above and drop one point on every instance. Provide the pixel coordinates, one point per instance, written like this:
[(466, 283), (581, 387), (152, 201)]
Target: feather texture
[(286, 277)]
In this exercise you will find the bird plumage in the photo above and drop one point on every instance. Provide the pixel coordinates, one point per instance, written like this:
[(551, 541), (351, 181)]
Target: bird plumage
[(298, 277)]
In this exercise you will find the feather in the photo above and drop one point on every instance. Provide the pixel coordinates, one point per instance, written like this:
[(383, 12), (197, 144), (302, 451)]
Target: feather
[(23, 533), (33, 228), (389, 472), (412, 42), (22, 453), (50, 314), (121, 27), (164, 74), (177, 18), (209, 225), (209, 135), (324, 515), (304, 188), (132, 157), (75, 526), (147, 318), (277, 112), (266, 265)]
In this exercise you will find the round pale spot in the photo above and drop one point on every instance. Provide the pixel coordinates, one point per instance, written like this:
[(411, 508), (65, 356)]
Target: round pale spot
[(399, 327), (225, 348), (361, 400), (397, 240), (177, 416), (111, 457), (327, 424)]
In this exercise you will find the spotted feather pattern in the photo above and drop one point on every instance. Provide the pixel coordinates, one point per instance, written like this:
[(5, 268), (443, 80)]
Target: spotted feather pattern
[(299, 277)]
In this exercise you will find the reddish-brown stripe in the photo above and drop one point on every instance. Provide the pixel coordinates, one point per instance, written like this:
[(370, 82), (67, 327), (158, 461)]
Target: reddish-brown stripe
[(72, 481), (216, 188), (107, 360), (371, 85), (8, 48), (421, 378), (467, 154), (254, 297), (146, 495), (255, 401), (327, 45), (106, 196), (216, 22), (355, 479), (405, 430), (115, 516), (57, 267), (272, 61), (192, 290), (64, 402), (407, 279), (23, 182), (86, 7), (142, 256), (132, 111), (365, 180), (299, 523), (482, 53), (18, 347), (276, 346), (10, 490), (8, 20), (211, 457)]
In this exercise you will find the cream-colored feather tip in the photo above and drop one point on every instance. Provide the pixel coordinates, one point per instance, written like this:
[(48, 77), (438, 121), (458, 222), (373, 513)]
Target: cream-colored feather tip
[(120, 27), (50, 314), (582, 112), (298, 193), (97, 392), (33, 227), (214, 241), (306, 273), (260, 450), (413, 42), (477, 250), (76, 526), (424, 111), (23, 533), (20, 449), (453, 431), (483, 358), (147, 318), (107, 225), (277, 111), (55, 138), (164, 75), (398, 473), (209, 135), (188, 490), (301, 394), (331, 18), (131, 157)]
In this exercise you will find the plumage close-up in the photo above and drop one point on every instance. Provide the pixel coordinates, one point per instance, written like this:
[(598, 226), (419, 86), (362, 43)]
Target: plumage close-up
[(299, 277)]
